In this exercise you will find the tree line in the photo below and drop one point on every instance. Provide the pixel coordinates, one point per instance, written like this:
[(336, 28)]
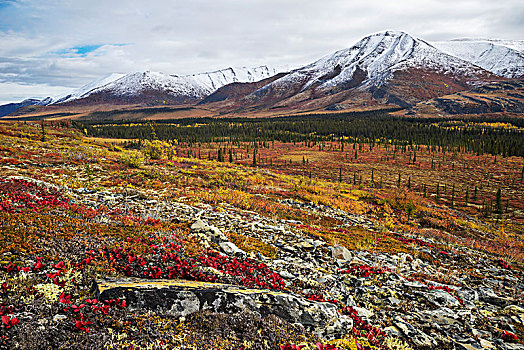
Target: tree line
[(461, 134)]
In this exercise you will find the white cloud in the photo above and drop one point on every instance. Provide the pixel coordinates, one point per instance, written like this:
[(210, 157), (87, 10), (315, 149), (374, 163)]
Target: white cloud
[(18, 92), (182, 37)]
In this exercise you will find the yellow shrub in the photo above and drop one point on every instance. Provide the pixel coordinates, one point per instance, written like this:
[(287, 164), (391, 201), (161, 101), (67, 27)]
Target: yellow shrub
[(157, 149), (133, 159)]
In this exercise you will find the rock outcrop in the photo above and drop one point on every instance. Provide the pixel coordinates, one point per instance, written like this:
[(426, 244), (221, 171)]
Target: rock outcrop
[(180, 298)]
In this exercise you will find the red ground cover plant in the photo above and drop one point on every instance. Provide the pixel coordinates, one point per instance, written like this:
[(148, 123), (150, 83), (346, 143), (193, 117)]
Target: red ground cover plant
[(509, 337), (502, 263), (361, 327), (168, 260)]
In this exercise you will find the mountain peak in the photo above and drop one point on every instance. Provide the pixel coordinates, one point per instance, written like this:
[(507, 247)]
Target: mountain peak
[(390, 32), (189, 87)]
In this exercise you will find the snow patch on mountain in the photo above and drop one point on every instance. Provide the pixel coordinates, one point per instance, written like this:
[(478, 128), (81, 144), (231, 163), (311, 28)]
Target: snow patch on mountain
[(135, 83), (195, 86), (501, 57), (377, 56), (86, 89), (215, 80)]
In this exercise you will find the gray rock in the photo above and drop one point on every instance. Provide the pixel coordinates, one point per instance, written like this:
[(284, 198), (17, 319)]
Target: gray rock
[(486, 344), (59, 317), (487, 295), (512, 346), (513, 309), (392, 331), (468, 295), (213, 233), (467, 346), (181, 298), (198, 225), (440, 298), (341, 253), (442, 317), (393, 300), (286, 274), (364, 313), (419, 338), (230, 248), (306, 245), (317, 243)]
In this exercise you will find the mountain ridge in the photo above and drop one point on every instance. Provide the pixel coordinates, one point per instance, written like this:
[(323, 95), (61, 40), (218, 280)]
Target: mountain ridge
[(369, 65), (388, 67)]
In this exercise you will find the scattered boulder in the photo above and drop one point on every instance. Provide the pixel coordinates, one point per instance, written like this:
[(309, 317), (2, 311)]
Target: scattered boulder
[(231, 249), (419, 338), (487, 295), (341, 253), (210, 232)]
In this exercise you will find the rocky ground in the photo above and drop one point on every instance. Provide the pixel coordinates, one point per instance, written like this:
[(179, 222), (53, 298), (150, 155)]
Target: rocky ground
[(468, 311), (147, 267)]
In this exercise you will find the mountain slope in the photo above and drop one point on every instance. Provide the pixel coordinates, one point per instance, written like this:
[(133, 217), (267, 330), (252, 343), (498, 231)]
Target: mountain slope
[(497, 98), (154, 87), (393, 66), (215, 80), (88, 88), (504, 58), (12, 107)]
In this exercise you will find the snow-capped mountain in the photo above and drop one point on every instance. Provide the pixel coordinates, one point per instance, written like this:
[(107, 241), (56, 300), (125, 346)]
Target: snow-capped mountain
[(12, 107), (135, 83), (171, 87), (371, 63), (215, 80), (389, 67), (86, 89), (501, 57)]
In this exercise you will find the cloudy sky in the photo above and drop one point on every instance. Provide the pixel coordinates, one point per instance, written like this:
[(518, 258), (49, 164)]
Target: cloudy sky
[(50, 47)]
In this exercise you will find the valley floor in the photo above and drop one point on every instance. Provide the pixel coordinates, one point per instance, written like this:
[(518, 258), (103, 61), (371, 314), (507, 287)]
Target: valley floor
[(298, 246)]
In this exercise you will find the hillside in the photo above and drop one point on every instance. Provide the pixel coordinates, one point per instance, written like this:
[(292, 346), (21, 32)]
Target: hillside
[(393, 67), (502, 57), (503, 98), (327, 243)]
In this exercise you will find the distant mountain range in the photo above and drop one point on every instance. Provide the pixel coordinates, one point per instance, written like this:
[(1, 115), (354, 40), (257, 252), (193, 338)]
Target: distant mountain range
[(155, 87), (386, 68)]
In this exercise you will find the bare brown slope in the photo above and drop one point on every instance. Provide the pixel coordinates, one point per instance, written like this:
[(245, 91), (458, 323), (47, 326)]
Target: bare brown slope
[(238, 90), (499, 97), (405, 89)]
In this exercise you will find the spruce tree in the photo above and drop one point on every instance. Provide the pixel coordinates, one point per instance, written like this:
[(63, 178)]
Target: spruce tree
[(498, 201), (43, 132)]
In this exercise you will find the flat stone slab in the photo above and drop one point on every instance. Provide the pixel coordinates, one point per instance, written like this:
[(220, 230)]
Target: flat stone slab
[(181, 298)]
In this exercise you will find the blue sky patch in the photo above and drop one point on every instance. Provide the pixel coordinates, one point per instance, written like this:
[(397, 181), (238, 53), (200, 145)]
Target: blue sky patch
[(5, 3), (82, 50)]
